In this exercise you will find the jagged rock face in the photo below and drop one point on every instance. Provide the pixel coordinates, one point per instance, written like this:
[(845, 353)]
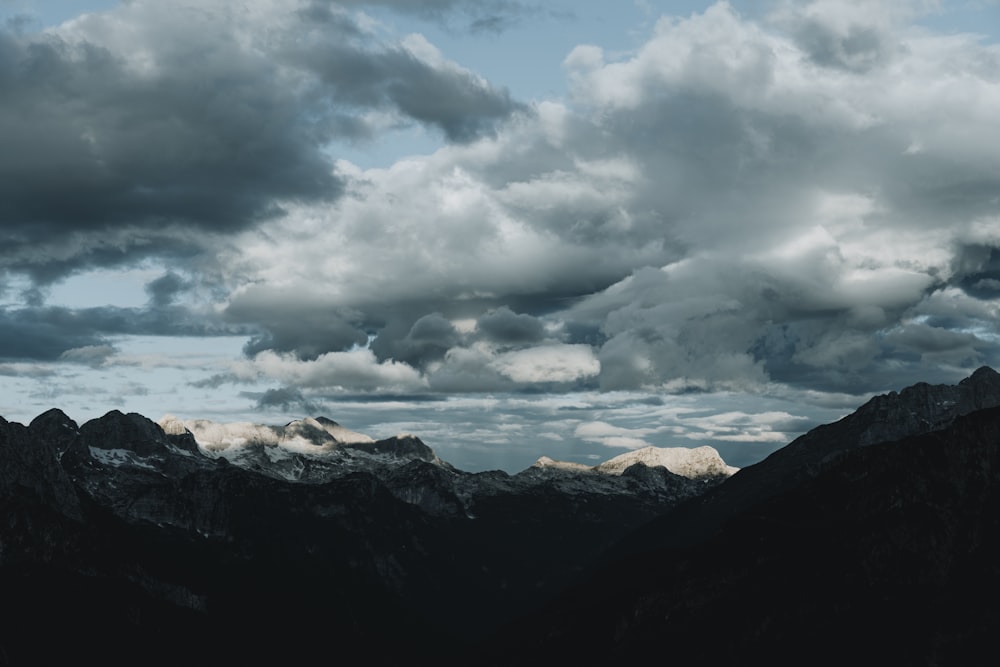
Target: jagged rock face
[(401, 447), (31, 475), (56, 429), (917, 409), (131, 433)]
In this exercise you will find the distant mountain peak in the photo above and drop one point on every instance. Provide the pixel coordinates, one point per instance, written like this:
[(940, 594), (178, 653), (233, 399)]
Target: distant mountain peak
[(52, 416), (982, 374), (923, 407), (690, 462), (693, 463), (132, 432)]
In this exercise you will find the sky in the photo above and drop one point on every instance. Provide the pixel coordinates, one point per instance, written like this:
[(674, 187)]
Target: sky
[(512, 228)]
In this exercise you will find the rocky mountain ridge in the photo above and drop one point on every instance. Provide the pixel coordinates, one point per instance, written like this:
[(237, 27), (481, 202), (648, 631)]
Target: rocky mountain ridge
[(872, 540), (182, 521), (912, 411), (884, 519)]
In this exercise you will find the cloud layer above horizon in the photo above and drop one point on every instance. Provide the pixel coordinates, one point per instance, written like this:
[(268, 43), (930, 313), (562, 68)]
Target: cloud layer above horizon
[(803, 201)]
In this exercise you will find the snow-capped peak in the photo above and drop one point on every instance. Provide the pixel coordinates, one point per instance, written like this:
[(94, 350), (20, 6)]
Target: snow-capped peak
[(693, 463), (688, 462), (309, 435)]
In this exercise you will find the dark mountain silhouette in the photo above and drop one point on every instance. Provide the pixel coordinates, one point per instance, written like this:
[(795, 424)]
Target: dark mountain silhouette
[(873, 540), (127, 540)]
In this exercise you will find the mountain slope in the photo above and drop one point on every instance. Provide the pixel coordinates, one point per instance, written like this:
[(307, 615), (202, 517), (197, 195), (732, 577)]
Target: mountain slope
[(881, 553), (918, 409)]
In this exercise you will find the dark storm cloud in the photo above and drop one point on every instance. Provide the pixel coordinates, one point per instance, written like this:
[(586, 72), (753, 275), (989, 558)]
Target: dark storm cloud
[(928, 340), (50, 333), (329, 333), (158, 131), (507, 327), (460, 106), (455, 100), (92, 146), (28, 338), (165, 289), (428, 339), (292, 322), (416, 331), (285, 399), (978, 271)]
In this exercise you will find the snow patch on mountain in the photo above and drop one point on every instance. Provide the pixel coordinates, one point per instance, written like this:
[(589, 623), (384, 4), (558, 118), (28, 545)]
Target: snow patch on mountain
[(304, 436), (688, 462), (693, 463), (119, 457)]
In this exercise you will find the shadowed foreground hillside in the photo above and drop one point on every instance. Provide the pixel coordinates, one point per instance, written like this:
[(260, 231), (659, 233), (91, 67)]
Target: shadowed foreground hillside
[(873, 540), (870, 553)]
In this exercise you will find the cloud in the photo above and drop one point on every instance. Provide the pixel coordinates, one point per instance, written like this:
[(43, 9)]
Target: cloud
[(482, 15), (355, 370), (20, 370), (285, 399), (807, 200), (294, 320), (54, 332), (428, 340), (504, 326), (725, 208), (411, 77), (164, 290), (468, 370), (689, 425), (846, 36), (554, 363), (739, 426), (156, 130), (106, 141), (613, 436), (93, 355)]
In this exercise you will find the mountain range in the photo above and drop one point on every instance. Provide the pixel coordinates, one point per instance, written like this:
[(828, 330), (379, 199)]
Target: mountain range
[(188, 535), (872, 539)]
